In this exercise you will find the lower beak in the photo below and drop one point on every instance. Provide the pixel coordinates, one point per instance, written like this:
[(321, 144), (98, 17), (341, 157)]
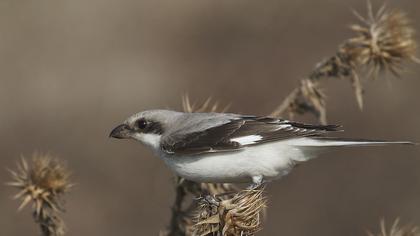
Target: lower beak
[(120, 132)]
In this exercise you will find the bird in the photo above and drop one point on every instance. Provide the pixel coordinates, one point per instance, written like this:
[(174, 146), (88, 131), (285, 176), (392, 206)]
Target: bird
[(232, 148)]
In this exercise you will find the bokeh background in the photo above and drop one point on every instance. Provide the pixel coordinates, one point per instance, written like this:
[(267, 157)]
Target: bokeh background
[(72, 70)]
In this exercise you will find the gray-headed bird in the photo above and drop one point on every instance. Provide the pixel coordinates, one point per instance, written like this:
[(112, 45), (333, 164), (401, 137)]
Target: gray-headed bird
[(231, 148)]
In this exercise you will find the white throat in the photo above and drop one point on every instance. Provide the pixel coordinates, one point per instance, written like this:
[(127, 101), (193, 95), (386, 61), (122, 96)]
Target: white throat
[(151, 140)]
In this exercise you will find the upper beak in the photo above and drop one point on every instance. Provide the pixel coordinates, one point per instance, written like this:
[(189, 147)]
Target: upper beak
[(120, 132)]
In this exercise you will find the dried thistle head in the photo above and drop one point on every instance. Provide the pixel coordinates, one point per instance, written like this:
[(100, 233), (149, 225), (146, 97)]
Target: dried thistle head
[(182, 222), (383, 41), (307, 98), (396, 230), (239, 215), (43, 181)]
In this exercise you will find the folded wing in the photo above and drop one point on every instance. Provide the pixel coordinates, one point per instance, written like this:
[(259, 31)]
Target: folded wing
[(238, 133)]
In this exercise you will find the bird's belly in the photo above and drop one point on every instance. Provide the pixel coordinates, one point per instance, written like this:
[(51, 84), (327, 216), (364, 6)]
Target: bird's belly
[(269, 161)]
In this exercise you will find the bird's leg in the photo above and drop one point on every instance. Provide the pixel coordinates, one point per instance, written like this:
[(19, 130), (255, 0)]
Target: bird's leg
[(211, 200), (257, 181)]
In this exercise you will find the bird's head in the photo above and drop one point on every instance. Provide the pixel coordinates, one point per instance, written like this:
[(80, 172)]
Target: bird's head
[(146, 127)]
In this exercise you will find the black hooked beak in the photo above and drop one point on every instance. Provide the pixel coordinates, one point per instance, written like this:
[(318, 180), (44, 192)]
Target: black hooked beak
[(121, 132)]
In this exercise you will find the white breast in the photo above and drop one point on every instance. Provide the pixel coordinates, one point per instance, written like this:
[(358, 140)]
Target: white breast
[(271, 160)]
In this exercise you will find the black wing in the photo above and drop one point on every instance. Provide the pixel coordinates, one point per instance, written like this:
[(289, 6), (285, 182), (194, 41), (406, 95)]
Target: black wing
[(227, 137)]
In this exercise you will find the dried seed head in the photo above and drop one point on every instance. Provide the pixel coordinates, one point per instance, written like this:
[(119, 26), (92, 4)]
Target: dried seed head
[(307, 98), (42, 182), (396, 230), (383, 41), (239, 215)]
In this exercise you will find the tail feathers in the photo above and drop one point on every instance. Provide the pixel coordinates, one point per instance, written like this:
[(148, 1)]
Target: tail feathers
[(315, 146), (340, 142)]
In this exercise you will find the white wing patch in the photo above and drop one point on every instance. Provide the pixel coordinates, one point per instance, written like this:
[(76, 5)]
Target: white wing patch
[(247, 140), (283, 126)]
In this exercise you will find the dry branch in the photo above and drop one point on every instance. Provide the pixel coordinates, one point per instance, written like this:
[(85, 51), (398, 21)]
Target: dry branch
[(383, 42)]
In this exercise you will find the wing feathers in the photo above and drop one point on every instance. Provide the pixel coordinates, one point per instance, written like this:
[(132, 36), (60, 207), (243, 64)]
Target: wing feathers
[(240, 132)]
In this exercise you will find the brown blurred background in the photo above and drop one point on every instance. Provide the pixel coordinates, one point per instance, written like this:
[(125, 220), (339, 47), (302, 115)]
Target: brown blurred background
[(71, 70)]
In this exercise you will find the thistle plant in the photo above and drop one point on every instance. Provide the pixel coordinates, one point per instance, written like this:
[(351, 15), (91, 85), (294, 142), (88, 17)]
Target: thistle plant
[(382, 43), (43, 182)]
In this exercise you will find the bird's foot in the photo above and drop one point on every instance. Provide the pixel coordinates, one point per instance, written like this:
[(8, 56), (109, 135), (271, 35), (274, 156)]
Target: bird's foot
[(208, 200), (257, 182)]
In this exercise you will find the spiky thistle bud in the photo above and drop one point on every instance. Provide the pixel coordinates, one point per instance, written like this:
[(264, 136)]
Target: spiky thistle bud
[(43, 182), (383, 41)]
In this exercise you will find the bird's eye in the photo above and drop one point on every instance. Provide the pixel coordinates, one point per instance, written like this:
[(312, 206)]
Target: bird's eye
[(141, 124)]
